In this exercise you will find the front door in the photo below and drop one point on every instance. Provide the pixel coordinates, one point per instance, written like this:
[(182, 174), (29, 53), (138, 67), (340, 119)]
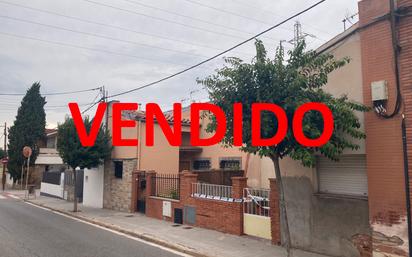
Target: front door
[(184, 165)]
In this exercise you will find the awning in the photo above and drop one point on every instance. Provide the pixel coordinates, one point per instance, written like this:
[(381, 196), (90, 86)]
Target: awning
[(49, 160)]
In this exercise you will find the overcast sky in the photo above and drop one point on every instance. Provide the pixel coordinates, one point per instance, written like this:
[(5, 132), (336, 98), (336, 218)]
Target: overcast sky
[(79, 44)]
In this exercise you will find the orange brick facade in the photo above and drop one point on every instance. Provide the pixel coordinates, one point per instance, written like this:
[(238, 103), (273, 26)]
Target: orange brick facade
[(405, 61), (386, 183)]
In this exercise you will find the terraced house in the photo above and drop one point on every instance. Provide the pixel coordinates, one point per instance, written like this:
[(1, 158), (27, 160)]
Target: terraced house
[(234, 192), (358, 206)]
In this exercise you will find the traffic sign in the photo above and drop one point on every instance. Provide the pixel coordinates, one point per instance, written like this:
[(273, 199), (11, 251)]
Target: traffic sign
[(27, 151)]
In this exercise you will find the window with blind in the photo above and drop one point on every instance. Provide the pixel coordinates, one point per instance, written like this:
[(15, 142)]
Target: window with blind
[(345, 177)]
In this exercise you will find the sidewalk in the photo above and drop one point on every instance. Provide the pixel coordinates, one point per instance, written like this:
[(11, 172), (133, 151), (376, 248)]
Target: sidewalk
[(191, 240)]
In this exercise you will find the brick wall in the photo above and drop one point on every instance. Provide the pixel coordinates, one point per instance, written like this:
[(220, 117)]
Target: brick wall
[(274, 212), (218, 215), (117, 193), (154, 205), (405, 61), (214, 214), (387, 209), (211, 214)]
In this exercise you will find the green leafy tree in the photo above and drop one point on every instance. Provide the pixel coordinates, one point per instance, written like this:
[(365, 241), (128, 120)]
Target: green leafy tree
[(75, 155), (27, 130), (288, 83)]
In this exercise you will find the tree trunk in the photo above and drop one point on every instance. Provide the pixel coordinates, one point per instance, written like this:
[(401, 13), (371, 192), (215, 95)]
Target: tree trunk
[(75, 190), (282, 204)]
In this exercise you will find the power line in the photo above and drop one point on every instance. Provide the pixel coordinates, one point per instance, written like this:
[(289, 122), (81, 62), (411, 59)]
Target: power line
[(113, 26), (98, 94), (234, 14), (225, 11), (15, 103), (86, 48), (190, 17), (54, 93), (63, 106), (47, 107), (267, 10), (92, 105), (97, 35), (231, 13), (162, 19), (94, 102), (221, 53)]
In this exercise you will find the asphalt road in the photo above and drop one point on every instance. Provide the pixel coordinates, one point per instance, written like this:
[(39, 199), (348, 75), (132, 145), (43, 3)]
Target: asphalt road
[(28, 231)]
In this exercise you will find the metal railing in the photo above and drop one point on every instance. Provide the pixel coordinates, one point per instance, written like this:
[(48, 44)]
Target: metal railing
[(68, 178), (256, 201), (52, 177), (166, 186), (212, 191)]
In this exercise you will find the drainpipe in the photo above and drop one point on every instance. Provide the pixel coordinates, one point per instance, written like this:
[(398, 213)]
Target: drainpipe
[(407, 189), (139, 146)]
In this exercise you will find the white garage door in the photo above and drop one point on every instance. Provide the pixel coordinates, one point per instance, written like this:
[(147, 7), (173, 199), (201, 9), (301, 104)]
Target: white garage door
[(346, 177)]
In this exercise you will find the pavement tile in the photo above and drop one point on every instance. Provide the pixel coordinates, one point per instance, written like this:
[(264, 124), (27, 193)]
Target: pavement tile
[(198, 241)]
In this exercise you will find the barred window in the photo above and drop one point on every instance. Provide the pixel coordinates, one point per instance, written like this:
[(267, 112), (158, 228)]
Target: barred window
[(230, 163), (201, 164)]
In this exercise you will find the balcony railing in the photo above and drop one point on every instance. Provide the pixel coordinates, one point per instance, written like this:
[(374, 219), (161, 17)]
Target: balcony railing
[(212, 191)]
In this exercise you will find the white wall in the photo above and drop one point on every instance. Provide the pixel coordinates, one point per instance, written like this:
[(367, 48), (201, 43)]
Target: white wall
[(93, 187), (51, 189), (9, 181)]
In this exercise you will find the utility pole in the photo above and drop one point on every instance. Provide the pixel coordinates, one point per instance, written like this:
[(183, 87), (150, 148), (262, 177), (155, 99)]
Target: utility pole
[(298, 34), (105, 94), (281, 43), (3, 179), (297, 31)]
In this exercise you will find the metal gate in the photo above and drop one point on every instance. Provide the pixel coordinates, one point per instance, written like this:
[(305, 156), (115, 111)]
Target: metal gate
[(79, 185), (256, 213), (69, 185), (141, 192)]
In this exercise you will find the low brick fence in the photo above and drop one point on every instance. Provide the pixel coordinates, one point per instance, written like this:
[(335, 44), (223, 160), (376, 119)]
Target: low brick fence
[(223, 214), (219, 215)]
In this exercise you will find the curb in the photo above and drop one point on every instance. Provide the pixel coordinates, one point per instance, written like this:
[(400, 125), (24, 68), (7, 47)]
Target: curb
[(142, 236)]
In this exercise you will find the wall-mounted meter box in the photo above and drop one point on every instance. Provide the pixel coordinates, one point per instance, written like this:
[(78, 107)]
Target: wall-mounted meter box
[(379, 90)]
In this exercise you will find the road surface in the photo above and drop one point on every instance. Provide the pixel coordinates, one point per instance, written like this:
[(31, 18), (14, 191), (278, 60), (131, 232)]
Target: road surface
[(28, 231)]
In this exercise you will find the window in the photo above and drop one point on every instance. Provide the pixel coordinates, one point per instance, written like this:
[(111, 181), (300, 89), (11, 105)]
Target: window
[(201, 164), (230, 163), (118, 169), (344, 177)]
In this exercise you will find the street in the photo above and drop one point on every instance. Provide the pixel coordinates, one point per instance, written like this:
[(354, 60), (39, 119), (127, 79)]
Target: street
[(29, 231)]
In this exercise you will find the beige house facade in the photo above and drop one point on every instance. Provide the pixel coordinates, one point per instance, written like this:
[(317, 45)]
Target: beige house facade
[(327, 204)]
